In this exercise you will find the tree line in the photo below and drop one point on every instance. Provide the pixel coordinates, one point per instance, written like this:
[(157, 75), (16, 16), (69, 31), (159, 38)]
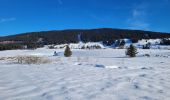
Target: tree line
[(91, 35)]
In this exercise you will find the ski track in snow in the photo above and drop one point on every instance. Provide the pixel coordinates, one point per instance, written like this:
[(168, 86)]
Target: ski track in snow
[(88, 75)]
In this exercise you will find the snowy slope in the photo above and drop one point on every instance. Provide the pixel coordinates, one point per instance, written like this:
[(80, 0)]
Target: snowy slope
[(81, 45), (154, 44), (104, 74), (151, 41)]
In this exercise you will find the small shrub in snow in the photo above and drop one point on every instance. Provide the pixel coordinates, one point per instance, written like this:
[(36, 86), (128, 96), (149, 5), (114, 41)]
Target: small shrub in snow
[(67, 52), (131, 51), (83, 47), (96, 47), (51, 47), (147, 46), (82, 59), (55, 53)]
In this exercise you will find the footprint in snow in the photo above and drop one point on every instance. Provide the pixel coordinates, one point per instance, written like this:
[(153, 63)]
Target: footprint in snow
[(107, 85), (77, 63), (161, 91), (142, 75), (136, 85), (146, 98), (99, 66), (47, 96), (145, 68)]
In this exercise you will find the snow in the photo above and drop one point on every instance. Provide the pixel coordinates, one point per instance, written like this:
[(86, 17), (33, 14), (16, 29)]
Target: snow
[(81, 45), (154, 44), (151, 41), (111, 67), (105, 74)]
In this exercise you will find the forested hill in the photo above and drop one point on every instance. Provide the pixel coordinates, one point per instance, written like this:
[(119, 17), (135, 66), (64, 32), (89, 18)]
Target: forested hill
[(88, 35)]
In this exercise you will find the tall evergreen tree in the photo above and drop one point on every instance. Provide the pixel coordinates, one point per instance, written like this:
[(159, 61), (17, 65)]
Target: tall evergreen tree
[(67, 52), (122, 43), (131, 51)]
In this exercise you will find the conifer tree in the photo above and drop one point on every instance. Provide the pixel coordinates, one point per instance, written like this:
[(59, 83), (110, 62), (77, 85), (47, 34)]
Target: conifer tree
[(122, 43), (131, 51), (67, 52)]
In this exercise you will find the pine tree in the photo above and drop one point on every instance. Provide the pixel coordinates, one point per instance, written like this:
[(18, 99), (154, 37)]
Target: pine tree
[(122, 43), (131, 51), (67, 52)]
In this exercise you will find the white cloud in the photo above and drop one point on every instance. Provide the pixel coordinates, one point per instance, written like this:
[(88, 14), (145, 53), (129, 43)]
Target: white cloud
[(60, 2), (2, 20), (138, 19), (136, 13)]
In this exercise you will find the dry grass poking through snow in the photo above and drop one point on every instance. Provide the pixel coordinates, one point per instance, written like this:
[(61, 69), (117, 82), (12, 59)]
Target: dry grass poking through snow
[(27, 59), (32, 60)]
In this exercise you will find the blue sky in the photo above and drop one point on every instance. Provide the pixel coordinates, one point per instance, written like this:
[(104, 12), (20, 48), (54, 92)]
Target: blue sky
[(18, 16)]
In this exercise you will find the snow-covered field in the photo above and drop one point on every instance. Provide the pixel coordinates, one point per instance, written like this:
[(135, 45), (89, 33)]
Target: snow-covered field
[(104, 74)]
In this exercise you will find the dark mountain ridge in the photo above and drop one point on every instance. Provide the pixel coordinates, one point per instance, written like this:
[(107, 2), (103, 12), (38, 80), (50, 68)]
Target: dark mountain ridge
[(87, 35)]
